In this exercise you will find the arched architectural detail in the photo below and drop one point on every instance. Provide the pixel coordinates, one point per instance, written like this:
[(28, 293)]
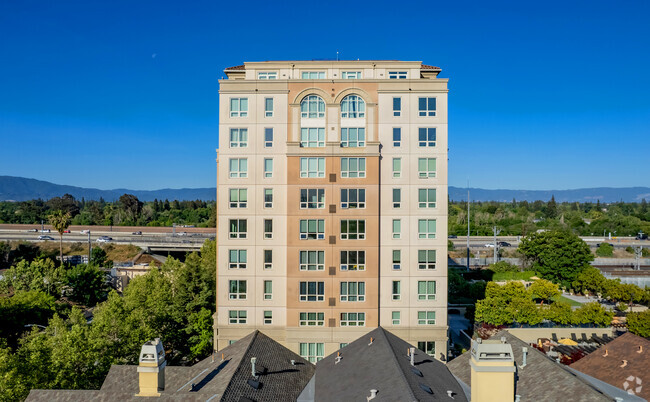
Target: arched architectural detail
[(310, 91), (354, 91)]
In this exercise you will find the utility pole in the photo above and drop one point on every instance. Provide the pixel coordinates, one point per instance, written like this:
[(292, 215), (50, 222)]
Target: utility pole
[(89, 247), (638, 250), (496, 245), (468, 225)]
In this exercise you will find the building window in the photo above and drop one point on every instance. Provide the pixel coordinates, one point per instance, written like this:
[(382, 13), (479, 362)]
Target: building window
[(397, 317), (428, 347), (268, 290), (268, 198), (397, 106), (397, 167), (353, 229), (312, 291), (397, 198), (268, 167), (353, 198), (353, 319), (353, 137), (237, 259), (268, 107), (238, 228), (268, 317), (313, 352), (397, 75), (237, 316), (426, 137), (397, 137), (237, 290), (312, 137), (268, 228), (353, 260), (426, 228), (426, 198), (426, 318), (312, 167), (397, 228), (268, 259), (353, 291), (312, 198), (312, 260), (268, 137), (312, 107), (353, 107), (313, 75), (238, 137), (238, 198), (312, 229), (426, 290), (426, 259), (351, 75), (238, 168), (397, 289), (238, 107), (342, 345), (267, 75), (353, 167), (427, 106), (312, 319), (397, 259), (426, 167)]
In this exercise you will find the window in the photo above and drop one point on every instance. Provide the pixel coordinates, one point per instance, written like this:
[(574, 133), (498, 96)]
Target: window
[(397, 106), (238, 228), (268, 259), (397, 228), (429, 347), (351, 75), (238, 107), (426, 228), (426, 318), (397, 197), (397, 167), (237, 316), (312, 260), (312, 107), (268, 167), (426, 290), (313, 352), (238, 198), (397, 259), (267, 75), (268, 290), (237, 290), (353, 229), (312, 198), (427, 106), (311, 229), (353, 167), (268, 107), (268, 137), (397, 288), (353, 291), (353, 198), (426, 167), (353, 137), (342, 345), (397, 75), (397, 317), (238, 137), (426, 198), (353, 319), (238, 167), (313, 75), (268, 317), (426, 259), (312, 291), (268, 228), (268, 198), (312, 167), (397, 136), (353, 106), (237, 259), (352, 260), (426, 137), (312, 319), (312, 137)]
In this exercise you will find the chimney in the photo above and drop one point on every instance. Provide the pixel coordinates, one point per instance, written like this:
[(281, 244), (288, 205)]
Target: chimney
[(253, 372), (524, 351), (492, 367), (412, 354), (151, 369), (373, 394)]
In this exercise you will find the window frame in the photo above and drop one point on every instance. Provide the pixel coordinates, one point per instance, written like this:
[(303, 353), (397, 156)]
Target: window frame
[(268, 198), (428, 234), (397, 75), (268, 168), (398, 320), (237, 262), (238, 137), (424, 346), (267, 75), (345, 75), (268, 112), (315, 351), (319, 294), (239, 173), (348, 173), (352, 319), (239, 318), (320, 75), (397, 197), (430, 290), (347, 234), (427, 203), (397, 263), (308, 235), (355, 107), (267, 320), (320, 195), (242, 103), (426, 320), (359, 294), (360, 193), (238, 234), (267, 293), (396, 296), (428, 173), (268, 228), (307, 173), (306, 140), (318, 319), (345, 258), (309, 100), (238, 294), (426, 141), (397, 137), (427, 264), (237, 203), (268, 262), (347, 142), (397, 106), (268, 133), (427, 111), (305, 264), (397, 229), (397, 168)]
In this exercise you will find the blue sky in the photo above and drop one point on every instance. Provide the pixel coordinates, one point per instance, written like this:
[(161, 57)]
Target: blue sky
[(123, 94)]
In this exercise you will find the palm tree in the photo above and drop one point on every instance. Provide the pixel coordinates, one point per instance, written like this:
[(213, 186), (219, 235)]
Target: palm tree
[(60, 221)]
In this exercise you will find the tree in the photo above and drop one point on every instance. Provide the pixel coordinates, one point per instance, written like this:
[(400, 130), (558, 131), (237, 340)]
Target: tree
[(605, 250), (639, 323), (593, 313), (559, 312), (503, 266), (551, 208), (88, 284), (60, 221), (39, 275), (31, 307), (100, 258), (544, 290), (589, 280)]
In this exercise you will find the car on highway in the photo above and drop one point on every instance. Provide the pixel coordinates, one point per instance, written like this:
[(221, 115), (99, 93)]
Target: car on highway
[(33, 230), (452, 237), (641, 236), (138, 233), (181, 234), (504, 244), (66, 231), (104, 239), (85, 231), (43, 237), (489, 245), (45, 230)]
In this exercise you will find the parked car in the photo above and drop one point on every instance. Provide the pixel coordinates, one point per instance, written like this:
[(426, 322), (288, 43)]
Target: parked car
[(85, 231), (43, 237), (452, 237), (504, 244), (104, 239), (138, 233)]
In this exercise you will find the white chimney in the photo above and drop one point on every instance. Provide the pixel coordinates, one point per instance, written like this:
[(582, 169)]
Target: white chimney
[(151, 368)]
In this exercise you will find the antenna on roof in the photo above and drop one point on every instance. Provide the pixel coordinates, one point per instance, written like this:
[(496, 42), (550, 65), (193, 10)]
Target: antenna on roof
[(337, 55)]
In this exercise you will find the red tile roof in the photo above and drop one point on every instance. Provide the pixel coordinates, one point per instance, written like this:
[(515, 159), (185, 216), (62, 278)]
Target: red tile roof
[(428, 67), (241, 67)]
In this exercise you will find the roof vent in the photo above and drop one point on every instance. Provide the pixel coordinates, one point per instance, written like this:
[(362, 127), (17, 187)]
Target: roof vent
[(293, 362), (412, 356), (450, 393), (524, 351), (640, 349), (254, 384), (624, 364), (373, 394), (370, 341), (338, 358), (253, 361), (426, 388), (416, 372), (606, 353), (503, 339)]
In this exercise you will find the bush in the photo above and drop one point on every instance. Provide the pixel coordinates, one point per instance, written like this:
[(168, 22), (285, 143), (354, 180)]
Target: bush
[(450, 245), (503, 266), (513, 276), (639, 323), (622, 306), (629, 249), (605, 250)]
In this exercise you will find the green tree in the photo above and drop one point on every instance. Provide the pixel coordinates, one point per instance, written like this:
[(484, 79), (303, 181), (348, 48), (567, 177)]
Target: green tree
[(24, 309), (559, 312), (39, 275), (605, 250), (593, 313), (639, 323), (60, 221), (544, 290), (88, 284), (589, 280), (100, 258)]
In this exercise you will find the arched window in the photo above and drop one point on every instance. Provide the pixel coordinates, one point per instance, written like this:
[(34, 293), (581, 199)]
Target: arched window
[(353, 106), (312, 107)]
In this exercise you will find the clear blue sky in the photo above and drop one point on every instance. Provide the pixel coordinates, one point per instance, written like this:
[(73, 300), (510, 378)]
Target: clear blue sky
[(123, 94)]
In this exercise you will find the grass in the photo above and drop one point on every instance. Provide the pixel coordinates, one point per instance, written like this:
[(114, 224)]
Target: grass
[(572, 303), (512, 276)]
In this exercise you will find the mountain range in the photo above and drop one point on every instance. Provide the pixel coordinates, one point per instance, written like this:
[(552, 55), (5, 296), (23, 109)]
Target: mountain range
[(23, 189)]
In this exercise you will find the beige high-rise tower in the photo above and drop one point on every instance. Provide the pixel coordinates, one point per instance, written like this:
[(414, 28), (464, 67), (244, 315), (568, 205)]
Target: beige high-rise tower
[(332, 203)]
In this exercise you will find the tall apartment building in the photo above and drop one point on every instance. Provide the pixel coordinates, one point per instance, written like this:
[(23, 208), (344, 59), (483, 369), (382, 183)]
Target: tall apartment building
[(332, 203)]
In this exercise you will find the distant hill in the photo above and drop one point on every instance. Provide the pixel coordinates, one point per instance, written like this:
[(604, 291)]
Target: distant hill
[(22, 189)]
